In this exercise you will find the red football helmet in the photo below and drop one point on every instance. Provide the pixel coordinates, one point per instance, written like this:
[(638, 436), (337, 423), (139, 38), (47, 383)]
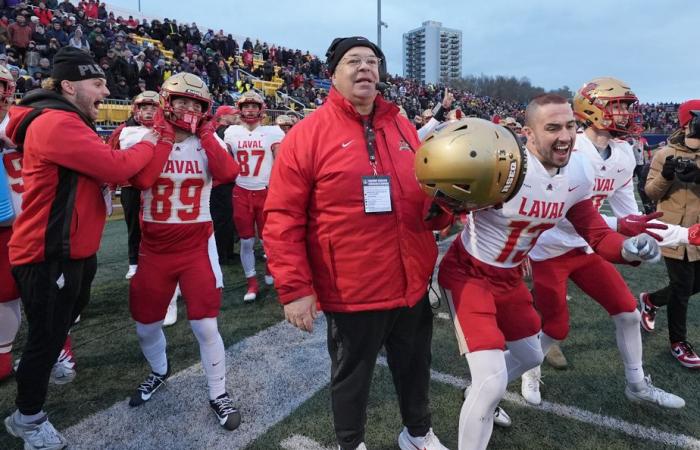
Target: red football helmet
[(144, 98), (251, 97), (189, 86)]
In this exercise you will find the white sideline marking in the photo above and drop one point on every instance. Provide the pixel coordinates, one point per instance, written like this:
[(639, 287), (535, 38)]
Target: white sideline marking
[(298, 442), (572, 412), (269, 375)]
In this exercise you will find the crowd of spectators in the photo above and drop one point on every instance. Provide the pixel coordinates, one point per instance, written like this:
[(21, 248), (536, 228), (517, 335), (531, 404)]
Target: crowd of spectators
[(32, 32)]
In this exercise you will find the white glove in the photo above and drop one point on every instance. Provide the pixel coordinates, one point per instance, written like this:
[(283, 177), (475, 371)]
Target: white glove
[(642, 248)]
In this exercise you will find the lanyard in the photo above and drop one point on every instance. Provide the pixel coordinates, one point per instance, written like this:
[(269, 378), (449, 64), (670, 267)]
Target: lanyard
[(370, 141)]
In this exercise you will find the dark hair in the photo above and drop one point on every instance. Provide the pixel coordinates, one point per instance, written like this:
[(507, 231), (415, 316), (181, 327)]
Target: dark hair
[(542, 100)]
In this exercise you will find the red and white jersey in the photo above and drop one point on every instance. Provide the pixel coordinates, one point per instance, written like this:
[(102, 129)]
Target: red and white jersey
[(12, 161), (613, 182), (130, 136), (503, 237), (253, 152), (181, 193)]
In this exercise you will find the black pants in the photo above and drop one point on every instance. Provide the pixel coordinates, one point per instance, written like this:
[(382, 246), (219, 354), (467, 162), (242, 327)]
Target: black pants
[(684, 281), (354, 341), (131, 202), (641, 172), (50, 310), (221, 208)]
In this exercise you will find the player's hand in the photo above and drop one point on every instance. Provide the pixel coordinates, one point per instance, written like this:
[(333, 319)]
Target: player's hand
[(668, 171), (163, 128), (642, 248), (694, 234), (205, 129), (302, 312), (447, 100), (633, 225)]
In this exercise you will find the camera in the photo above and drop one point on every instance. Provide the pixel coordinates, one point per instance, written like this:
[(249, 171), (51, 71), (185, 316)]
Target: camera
[(685, 165)]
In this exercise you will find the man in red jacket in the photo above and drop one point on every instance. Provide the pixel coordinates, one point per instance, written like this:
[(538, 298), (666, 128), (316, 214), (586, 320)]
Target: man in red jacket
[(345, 232), (56, 236)]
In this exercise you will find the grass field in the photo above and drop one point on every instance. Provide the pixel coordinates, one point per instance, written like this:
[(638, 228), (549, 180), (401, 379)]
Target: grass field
[(110, 366)]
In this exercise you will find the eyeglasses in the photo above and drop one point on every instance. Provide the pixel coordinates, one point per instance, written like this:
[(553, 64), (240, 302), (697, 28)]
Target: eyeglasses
[(356, 61)]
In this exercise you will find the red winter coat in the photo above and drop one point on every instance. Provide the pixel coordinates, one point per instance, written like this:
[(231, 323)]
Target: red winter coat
[(65, 164), (317, 236)]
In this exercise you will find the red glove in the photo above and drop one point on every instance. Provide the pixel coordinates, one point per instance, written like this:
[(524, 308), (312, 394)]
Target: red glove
[(694, 234), (205, 129), (163, 128), (634, 225)]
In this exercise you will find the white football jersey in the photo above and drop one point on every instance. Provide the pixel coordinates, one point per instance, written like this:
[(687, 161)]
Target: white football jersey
[(12, 161), (504, 236), (130, 136), (613, 182), (253, 153), (181, 194)]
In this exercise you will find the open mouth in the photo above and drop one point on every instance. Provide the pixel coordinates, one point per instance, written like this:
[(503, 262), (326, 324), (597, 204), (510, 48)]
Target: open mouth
[(364, 80), (561, 149)]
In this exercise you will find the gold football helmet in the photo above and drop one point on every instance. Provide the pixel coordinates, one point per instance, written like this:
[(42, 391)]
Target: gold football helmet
[(185, 85), (251, 97), (608, 104), (284, 122), (144, 98), (7, 94), (471, 163)]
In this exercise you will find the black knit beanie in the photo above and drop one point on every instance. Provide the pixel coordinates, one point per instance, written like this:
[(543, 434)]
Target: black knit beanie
[(73, 64)]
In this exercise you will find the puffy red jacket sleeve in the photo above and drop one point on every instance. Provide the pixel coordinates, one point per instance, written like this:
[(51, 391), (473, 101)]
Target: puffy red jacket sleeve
[(149, 174), (284, 235), (82, 150), (592, 227), (221, 164)]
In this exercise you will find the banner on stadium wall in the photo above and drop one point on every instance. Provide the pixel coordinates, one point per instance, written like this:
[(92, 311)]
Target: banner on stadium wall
[(653, 139)]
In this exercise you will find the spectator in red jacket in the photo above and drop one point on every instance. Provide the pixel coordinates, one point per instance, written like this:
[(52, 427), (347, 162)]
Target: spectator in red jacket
[(345, 233), (20, 34), (52, 253), (44, 14)]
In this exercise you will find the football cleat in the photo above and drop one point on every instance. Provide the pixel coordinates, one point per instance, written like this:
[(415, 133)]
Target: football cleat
[(531, 386), (228, 415), (427, 442), (40, 435), (146, 389), (5, 365), (131, 272), (652, 394), (269, 280), (252, 292), (648, 312), (556, 358), (685, 354)]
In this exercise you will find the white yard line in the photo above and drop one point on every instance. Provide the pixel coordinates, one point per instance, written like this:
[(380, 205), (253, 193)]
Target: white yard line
[(298, 442), (270, 375)]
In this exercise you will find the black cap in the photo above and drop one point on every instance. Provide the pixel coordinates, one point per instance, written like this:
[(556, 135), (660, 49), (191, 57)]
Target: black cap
[(73, 64), (340, 46)]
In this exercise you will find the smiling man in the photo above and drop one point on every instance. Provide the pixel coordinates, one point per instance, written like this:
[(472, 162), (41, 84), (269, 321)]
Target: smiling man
[(344, 231), (53, 254)]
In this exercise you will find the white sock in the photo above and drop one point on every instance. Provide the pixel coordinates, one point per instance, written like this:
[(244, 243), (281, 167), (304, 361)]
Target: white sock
[(489, 382), (546, 342), (211, 349), (10, 318), (629, 343), (523, 355), (248, 257), (31, 418), (152, 342)]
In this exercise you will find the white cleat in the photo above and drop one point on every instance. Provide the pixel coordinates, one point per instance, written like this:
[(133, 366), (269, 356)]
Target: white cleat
[(250, 296), (131, 272), (500, 416), (427, 442), (654, 395), (269, 280), (531, 386)]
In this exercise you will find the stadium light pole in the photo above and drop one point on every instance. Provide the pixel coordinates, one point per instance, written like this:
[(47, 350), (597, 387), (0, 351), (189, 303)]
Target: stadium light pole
[(380, 24)]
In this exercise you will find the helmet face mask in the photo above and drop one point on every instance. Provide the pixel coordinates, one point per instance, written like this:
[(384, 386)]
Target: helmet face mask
[(471, 163), (141, 115), (185, 86), (7, 83), (609, 104)]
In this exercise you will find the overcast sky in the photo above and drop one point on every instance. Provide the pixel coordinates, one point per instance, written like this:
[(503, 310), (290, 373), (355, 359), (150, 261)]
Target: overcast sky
[(651, 44)]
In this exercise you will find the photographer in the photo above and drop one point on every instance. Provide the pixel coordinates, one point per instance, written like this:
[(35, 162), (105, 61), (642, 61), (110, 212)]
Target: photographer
[(674, 182)]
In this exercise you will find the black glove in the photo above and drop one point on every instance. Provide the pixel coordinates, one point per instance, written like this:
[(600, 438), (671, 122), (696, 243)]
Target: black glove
[(669, 169), (690, 175)]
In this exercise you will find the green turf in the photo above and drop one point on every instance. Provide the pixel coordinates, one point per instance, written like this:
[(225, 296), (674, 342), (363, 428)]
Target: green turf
[(110, 364)]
